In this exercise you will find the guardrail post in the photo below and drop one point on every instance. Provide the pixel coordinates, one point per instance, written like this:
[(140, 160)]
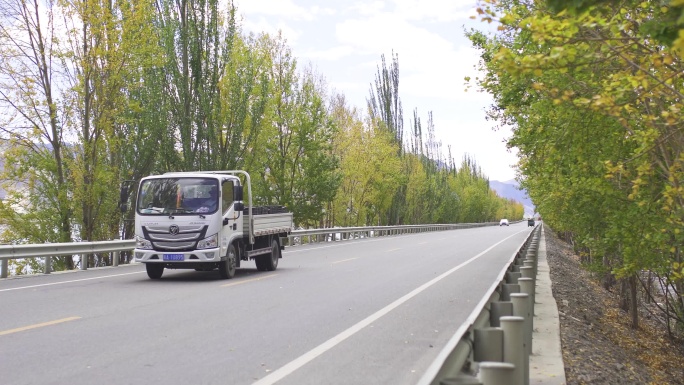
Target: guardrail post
[(521, 308), (498, 310), (531, 263), (527, 272), (496, 373), (519, 261), (116, 257), (514, 349), (507, 289), (488, 345), (527, 286), (84, 261), (48, 265), (4, 268), (512, 276)]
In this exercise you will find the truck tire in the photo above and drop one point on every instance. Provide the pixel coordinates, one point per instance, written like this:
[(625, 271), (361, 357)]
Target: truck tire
[(260, 261), (269, 262), (272, 260), (154, 270), (227, 267)]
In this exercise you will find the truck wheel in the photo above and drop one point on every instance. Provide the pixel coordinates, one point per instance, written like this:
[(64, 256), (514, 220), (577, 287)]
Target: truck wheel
[(261, 261), (272, 260), (269, 262), (227, 267), (154, 270)]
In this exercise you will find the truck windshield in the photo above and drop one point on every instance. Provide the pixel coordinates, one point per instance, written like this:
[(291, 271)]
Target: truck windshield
[(172, 196)]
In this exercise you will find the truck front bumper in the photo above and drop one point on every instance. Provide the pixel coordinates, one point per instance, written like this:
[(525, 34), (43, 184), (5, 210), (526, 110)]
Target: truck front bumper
[(177, 257)]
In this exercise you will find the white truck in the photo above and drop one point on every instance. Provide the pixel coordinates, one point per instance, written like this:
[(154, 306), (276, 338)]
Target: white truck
[(198, 220)]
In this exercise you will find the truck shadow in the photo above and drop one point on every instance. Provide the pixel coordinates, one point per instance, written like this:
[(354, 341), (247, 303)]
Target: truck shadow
[(181, 275)]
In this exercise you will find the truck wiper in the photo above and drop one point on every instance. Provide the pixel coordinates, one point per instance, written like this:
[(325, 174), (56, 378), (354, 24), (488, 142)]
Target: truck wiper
[(184, 211)]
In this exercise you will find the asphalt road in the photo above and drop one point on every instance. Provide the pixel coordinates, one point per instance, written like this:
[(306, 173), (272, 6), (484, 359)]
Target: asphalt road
[(372, 311)]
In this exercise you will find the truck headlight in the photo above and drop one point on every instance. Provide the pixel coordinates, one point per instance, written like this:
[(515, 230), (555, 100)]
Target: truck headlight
[(142, 243), (208, 242)]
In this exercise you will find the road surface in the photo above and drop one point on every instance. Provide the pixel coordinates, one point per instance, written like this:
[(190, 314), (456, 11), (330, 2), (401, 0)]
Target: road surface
[(371, 311)]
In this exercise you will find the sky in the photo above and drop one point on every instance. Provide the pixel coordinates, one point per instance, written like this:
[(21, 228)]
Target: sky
[(344, 40)]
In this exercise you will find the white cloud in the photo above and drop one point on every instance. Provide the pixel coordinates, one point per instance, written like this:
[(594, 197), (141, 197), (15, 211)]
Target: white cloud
[(286, 9), (435, 10), (443, 76), (367, 8), (264, 25), (334, 53), (378, 33)]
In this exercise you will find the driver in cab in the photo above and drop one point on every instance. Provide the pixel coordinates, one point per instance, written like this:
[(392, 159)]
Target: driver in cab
[(209, 203)]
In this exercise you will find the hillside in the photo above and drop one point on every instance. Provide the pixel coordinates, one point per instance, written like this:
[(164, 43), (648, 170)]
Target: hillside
[(511, 190)]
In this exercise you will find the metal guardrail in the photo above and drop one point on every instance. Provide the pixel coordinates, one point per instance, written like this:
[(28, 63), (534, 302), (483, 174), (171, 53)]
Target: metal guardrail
[(49, 250), (296, 237), (494, 344), (345, 233)]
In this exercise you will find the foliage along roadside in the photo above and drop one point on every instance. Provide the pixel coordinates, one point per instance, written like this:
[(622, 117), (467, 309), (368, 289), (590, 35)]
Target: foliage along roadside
[(594, 97)]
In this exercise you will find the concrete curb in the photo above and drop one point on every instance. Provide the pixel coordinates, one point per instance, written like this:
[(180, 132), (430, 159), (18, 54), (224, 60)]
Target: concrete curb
[(546, 361)]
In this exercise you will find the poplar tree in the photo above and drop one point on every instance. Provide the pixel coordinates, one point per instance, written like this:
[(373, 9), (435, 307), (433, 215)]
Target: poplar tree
[(34, 136), (196, 37), (594, 95), (384, 105)]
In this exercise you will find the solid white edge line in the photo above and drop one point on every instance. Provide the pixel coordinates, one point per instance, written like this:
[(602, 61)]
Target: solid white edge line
[(307, 357), (75, 280)]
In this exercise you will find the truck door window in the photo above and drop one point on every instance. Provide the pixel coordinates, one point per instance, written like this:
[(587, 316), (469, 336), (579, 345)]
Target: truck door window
[(226, 195)]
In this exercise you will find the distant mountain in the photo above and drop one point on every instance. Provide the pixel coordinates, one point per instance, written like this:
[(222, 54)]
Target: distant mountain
[(511, 190)]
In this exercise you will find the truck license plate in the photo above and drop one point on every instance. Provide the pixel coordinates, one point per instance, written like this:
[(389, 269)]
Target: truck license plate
[(173, 257)]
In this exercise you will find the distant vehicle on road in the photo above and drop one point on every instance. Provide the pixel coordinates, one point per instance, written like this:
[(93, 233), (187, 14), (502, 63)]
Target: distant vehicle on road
[(503, 222), (530, 222)]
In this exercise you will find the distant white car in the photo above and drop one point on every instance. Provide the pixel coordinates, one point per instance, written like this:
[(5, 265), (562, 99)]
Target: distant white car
[(503, 222)]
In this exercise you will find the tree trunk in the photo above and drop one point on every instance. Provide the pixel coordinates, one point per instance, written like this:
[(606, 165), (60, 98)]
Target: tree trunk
[(634, 302), (624, 295)]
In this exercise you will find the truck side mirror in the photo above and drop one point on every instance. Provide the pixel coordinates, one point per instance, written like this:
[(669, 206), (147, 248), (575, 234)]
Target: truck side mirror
[(237, 193), (239, 206)]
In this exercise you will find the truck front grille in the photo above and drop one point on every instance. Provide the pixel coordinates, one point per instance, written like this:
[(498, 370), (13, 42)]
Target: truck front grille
[(182, 238)]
